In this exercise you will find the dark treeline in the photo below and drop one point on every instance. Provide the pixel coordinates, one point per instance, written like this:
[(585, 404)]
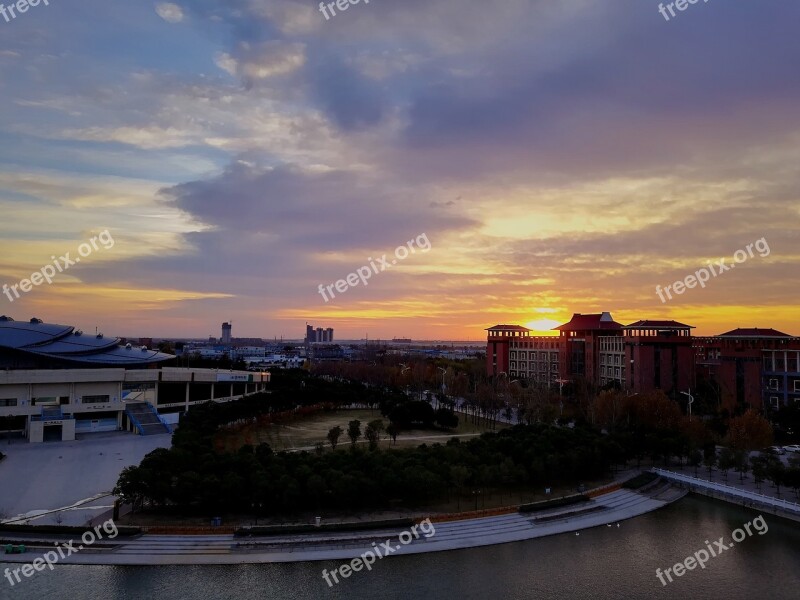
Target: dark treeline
[(193, 477)]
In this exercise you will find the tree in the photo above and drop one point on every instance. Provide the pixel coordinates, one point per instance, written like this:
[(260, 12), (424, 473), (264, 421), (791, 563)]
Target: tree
[(695, 458), (333, 436), (373, 433), (751, 431), (776, 473), (710, 459), (446, 418), (459, 475), (759, 467), (792, 479), (726, 462), (741, 463), (354, 431), (393, 430)]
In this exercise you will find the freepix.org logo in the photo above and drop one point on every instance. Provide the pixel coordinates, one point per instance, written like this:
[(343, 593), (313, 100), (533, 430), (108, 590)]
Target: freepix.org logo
[(20, 7), (362, 274), (61, 264), (680, 5), (61, 551), (703, 275)]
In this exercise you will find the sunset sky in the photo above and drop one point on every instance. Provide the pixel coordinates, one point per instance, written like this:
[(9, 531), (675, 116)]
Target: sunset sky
[(561, 156)]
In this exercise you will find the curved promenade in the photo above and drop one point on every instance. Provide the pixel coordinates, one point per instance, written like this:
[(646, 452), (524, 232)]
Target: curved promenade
[(735, 495), (607, 509)]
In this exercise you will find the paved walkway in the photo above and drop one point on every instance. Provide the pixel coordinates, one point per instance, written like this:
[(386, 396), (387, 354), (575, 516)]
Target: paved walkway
[(609, 509), (738, 494), (38, 482)]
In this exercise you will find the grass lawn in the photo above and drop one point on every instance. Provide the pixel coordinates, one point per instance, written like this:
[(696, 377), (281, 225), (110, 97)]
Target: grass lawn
[(304, 433)]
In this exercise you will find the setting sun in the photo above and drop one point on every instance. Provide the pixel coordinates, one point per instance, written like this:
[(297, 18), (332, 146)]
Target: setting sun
[(543, 326)]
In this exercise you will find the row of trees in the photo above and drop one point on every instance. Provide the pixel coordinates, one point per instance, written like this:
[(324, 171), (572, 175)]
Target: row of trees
[(190, 476), (372, 433)]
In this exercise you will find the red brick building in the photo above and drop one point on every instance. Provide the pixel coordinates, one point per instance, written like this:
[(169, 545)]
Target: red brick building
[(659, 355), (756, 368), (753, 367), (640, 357), (498, 346), (580, 344)]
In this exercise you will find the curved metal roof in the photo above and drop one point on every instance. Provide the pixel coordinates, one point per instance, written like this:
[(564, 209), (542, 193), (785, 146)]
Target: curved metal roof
[(64, 342)]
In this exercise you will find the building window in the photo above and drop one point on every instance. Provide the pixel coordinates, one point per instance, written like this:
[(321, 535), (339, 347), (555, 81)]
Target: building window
[(774, 401), (796, 386), (44, 400), (8, 401), (99, 399), (773, 384)]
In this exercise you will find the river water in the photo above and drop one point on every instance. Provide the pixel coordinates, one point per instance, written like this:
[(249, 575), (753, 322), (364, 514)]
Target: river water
[(603, 563)]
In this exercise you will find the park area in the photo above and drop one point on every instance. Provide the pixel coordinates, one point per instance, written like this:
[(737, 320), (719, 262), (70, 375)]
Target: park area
[(304, 432)]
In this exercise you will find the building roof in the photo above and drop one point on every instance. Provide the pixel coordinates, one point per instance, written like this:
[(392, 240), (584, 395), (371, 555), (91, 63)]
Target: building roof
[(508, 328), (754, 332), (65, 343), (651, 324), (590, 322)]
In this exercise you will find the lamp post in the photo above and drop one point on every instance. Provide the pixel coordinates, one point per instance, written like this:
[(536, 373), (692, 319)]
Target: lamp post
[(403, 370), (691, 401), (443, 386), (476, 493), (561, 383)]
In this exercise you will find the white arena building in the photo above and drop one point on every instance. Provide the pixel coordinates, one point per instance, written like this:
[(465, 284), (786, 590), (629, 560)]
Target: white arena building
[(57, 382)]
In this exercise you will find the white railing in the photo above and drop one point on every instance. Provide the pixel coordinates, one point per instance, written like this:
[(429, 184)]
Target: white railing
[(730, 490)]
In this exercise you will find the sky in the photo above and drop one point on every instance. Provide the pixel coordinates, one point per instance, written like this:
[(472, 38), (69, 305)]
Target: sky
[(554, 157)]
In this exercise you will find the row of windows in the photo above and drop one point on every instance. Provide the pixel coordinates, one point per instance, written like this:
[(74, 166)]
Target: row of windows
[(55, 401), (535, 376), (612, 344), (788, 362), (536, 345), (552, 356), (606, 359), (775, 401), (616, 372), (532, 366), (775, 385)]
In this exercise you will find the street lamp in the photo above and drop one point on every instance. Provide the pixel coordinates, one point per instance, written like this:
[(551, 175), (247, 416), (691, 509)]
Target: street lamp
[(561, 383), (443, 386), (403, 370), (476, 493), (691, 400)]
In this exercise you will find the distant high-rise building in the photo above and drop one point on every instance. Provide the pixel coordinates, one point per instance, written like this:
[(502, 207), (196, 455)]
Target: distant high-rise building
[(318, 335), (226, 333)]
